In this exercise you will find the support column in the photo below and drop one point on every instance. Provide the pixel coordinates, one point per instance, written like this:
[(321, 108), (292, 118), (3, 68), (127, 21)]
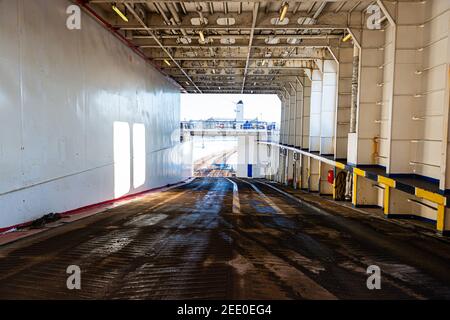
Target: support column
[(316, 105), (368, 113), (306, 112), (406, 102), (344, 100), (291, 140), (328, 108), (298, 132), (292, 113), (299, 114), (283, 121)]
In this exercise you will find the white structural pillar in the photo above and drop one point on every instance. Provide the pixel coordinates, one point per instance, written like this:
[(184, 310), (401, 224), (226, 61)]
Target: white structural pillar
[(299, 113), (345, 56), (291, 139), (369, 102), (306, 112), (292, 113), (445, 145), (328, 109), (315, 110), (406, 100)]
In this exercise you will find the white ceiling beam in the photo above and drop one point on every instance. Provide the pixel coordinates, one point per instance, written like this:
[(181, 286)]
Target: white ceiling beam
[(255, 17)]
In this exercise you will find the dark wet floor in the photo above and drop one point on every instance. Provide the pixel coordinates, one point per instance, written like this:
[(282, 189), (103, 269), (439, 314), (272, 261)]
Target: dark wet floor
[(197, 241)]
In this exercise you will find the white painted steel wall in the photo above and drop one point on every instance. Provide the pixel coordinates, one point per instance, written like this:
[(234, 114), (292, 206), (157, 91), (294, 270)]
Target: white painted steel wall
[(61, 92)]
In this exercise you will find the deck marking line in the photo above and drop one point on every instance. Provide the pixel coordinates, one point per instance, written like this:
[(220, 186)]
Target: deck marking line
[(265, 198), (236, 202)]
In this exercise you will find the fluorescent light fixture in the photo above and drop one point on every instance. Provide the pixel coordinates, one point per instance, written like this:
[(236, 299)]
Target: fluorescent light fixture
[(284, 10), (202, 36), (347, 37), (120, 13), (167, 62)]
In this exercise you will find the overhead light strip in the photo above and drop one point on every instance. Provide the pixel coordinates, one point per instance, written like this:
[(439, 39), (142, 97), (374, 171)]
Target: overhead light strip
[(284, 10), (347, 37), (120, 13)]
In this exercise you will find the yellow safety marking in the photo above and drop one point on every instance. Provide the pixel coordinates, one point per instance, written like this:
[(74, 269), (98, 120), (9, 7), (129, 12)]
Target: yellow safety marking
[(440, 218), (355, 181), (359, 172), (340, 165), (334, 189), (386, 181), (386, 199), (431, 196)]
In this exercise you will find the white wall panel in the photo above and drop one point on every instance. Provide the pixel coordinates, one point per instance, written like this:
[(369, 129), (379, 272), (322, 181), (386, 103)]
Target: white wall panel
[(61, 91)]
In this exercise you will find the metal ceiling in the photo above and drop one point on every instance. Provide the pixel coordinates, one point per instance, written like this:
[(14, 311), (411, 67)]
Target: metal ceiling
[(228, 46)]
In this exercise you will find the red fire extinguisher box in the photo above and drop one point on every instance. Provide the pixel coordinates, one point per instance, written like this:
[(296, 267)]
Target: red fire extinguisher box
[(330, 176)]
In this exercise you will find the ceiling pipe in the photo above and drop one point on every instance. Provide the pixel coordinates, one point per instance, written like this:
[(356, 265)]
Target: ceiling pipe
[(199, 9), (183, 7), (150, 32), (173, 12), (211, 8), (176, 17), (162, 13), (250, 43), (319, 10)]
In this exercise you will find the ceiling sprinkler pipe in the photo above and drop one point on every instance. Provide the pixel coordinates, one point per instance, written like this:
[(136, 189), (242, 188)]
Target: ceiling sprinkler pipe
[(163, 14), (200, 13), (174, 12), (176, 17)]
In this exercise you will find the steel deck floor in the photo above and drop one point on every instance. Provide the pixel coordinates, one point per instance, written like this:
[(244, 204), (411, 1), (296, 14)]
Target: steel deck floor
[(186, 243)]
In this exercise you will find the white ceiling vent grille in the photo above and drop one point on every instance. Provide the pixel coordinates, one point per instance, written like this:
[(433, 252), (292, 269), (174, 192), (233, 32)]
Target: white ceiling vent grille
[(272, 40), (226, 21)]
